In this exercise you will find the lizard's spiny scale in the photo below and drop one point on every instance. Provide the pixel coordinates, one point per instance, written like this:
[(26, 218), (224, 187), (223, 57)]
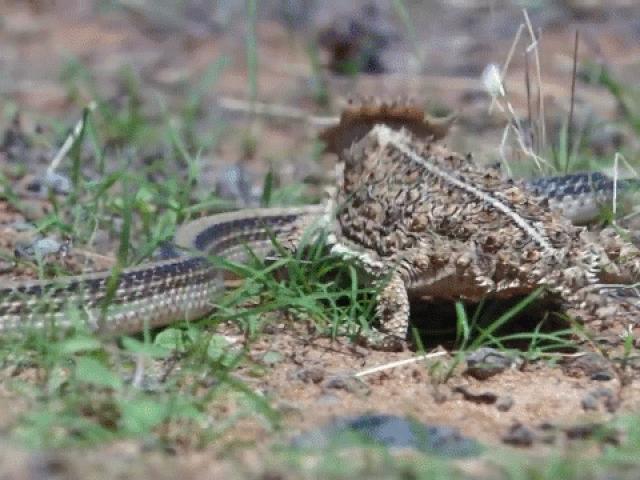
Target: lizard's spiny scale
[(478, 234)]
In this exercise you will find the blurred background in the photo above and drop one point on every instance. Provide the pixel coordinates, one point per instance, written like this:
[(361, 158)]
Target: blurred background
[(247, 84), (204, 62)]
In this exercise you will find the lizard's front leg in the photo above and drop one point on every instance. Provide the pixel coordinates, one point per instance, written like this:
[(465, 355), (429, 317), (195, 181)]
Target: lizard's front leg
[(438, 271), (392, 315), (624, 255)]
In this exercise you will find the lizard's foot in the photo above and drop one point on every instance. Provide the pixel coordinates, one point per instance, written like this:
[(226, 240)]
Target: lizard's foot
[(625, 255), (392, 314), (392, 310), (612, 308), (377, 340)]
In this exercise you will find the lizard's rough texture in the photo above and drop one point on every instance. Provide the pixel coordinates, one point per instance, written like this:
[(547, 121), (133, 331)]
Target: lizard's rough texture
[(438, 226)]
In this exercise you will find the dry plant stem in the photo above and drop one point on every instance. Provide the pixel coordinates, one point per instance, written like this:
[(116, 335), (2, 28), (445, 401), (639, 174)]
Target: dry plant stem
[(574, 74), (505, 67), (527, 83), (70, 140), (515, 123), (512, 50), (502, 149), (399, 363), (627, 164), (618, 157), (542, 134), (614, 200), (275, 110)]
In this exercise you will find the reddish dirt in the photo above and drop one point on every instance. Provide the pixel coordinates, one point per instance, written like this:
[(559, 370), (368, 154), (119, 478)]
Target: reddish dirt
[(37, 37)]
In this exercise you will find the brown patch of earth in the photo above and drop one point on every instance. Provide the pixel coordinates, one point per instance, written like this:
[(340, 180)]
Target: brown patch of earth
[(540, 406), (313, 379)]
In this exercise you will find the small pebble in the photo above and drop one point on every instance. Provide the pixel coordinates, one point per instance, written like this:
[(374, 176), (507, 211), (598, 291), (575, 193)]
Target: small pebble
[(590, 364), (22, 227), (6, 266), (392, 432), (46, 246), (327, 399), (476, 397), (486, 362), (602, 395), (519, 435), (57, 183), (38, 249), (505, 403), (348, 383), (602, 376), (589, 402), (311, 374)]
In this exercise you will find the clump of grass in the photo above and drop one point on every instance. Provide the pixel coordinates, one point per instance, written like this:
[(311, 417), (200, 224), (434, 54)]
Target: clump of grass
[(85, 391), (627, 96), (529, 135), (310, 284), (88, 389), (481, 330)]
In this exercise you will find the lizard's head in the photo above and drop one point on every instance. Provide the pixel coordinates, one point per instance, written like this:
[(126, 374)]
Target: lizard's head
[(361, 115)]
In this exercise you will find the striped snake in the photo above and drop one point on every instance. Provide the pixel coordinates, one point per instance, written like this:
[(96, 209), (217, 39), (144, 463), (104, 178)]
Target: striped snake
[(184, 287)]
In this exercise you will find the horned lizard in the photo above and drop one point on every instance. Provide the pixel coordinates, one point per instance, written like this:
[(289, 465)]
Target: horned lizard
[(434, 224)]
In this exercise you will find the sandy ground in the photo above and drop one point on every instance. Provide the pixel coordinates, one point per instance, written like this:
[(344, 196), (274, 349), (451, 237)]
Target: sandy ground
[(537, 404)]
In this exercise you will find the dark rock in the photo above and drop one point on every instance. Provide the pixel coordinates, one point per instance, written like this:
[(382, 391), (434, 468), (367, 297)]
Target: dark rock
[(486, 362), (356, 43), (484, 397), (348, 383), (392, 432), (602, 376), (519, 435), (601, 396), (593, 430), (311, 374), (590, 364), (589, 402), (505, 403), (48, 465)]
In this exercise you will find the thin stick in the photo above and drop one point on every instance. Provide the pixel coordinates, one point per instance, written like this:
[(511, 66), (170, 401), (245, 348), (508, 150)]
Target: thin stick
[(512, 50), (627, 164), (614, 199), (543, 119), (428, 356), (275, 110), (399, 363), (573, 100), (70, 140), (505, 68), (502, 149), (527, 84)]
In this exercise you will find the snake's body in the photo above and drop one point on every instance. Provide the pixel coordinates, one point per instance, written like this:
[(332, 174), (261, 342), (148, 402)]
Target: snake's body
[(153, 294), (159, 293)]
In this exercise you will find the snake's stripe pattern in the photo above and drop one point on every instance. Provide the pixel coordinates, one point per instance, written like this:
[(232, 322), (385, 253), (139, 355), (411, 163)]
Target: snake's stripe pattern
[(157, 293), (580, 196)]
